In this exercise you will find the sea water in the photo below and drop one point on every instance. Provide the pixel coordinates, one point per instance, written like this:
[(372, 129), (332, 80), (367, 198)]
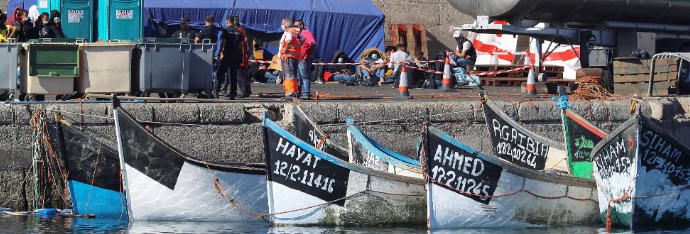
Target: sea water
[(32, 224)]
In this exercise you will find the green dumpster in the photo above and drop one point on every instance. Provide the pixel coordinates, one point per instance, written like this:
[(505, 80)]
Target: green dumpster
[(50, 68), (77, 18), (48, 5), (119, 19)]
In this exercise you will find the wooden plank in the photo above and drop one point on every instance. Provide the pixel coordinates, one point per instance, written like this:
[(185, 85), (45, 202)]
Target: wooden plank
[(410, 40), (643, 66), (672, 76), (660, 89)]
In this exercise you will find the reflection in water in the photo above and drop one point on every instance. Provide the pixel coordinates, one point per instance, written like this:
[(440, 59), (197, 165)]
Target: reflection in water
[(31, 224)]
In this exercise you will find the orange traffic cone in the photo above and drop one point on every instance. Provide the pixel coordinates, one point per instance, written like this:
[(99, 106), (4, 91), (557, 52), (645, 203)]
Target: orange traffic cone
[(447, 82), (531, 87), (403, 90)]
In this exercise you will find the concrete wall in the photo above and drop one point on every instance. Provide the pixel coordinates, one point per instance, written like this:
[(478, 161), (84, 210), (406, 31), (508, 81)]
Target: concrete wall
[(232, 132), (436, 15)]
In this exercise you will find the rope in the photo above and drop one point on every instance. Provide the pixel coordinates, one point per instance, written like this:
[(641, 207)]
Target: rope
[(322, 141), (590, 88), (626, 197), (400, 119)]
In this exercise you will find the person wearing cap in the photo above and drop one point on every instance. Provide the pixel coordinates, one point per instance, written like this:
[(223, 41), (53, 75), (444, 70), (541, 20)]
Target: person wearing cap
[(210, 31), (186, 31), (230, 58)]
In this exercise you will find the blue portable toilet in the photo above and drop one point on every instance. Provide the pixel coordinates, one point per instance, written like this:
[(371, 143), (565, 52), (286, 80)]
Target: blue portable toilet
[(119, 19), (77, 18), (48, 5)]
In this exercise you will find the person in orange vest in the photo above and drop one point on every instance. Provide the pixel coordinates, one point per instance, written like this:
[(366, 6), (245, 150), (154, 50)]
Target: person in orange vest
[(290, 52)]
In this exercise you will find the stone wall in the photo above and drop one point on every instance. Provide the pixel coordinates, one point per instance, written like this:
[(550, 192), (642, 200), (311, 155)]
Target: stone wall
[(436, 15), (226, 133)]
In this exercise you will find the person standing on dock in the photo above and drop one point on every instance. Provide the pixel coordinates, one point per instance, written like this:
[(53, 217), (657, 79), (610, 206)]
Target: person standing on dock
[(290, 47), (230, 58), (209, 31), (304, 65), (186, 32)]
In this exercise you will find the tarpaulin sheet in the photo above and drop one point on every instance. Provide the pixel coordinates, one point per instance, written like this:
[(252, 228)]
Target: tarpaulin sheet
[(351, 26), (13, 4)]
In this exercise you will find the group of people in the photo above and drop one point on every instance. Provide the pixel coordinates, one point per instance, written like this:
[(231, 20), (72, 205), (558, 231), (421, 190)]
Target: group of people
[(30, 24)]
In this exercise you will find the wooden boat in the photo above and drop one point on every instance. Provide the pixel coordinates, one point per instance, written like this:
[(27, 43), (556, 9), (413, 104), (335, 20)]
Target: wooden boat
[(580, 138), (643, 173), (522, 147), (366, 152), (162, 183), (467, 188), (93, 174), (307, 130), (307, 186)]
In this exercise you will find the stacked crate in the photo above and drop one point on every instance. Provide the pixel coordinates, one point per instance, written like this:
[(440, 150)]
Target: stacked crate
[(631, 76)]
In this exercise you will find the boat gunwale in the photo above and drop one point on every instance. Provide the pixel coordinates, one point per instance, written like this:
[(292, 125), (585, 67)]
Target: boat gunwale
[(380, 153), (313, 124), (245, 168)]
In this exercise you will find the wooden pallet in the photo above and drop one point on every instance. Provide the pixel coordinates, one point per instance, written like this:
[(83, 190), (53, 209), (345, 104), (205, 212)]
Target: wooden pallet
[(631, 77)]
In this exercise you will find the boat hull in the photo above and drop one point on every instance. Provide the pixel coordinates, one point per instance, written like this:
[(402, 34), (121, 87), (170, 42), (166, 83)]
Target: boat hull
[(367, 153), (309, 187), (469, 189), (93, 174), (163, 184), (644, 173)]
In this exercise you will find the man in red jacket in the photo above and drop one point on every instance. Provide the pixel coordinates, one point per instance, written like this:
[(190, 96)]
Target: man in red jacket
[(304, 65)]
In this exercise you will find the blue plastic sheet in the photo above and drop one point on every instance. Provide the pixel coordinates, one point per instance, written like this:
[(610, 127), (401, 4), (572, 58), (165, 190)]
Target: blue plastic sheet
[(351, 26)]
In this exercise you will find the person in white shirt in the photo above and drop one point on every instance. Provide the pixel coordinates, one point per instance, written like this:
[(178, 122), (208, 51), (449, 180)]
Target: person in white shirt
[(396, 59)]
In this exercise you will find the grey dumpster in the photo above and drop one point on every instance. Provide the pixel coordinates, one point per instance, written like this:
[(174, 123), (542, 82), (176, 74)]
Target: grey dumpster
[(170, 67), (9, 52)]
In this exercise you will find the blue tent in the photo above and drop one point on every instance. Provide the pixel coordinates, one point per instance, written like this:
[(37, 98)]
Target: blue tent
[(14, 4), (351, 26)]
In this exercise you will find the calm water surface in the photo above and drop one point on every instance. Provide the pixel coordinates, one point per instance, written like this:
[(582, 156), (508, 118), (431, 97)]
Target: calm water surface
[(30, 224)]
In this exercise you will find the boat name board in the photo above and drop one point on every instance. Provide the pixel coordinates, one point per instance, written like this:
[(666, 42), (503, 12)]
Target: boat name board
[(463, 172), (512, 144), (617, 154), (664, 155), (292, 165)]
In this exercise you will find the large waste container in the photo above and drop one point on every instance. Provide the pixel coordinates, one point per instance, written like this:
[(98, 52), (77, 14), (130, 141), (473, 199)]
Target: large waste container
[(119, 19), (105, 68), (77, 18), (9, 52), (168, 66), (48, 5), (49, 68)]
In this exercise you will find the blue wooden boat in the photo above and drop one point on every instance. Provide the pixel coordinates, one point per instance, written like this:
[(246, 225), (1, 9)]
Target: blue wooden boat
[(467, 188), (643, 176), (307, 186), (366, 152), (93, 179), (164, 184)]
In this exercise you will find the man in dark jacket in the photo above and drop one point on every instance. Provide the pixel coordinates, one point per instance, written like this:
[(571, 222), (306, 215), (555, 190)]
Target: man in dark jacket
[(230, 58), (186, 32), (209, 31)]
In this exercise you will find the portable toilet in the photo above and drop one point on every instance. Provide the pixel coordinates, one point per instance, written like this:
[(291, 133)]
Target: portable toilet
[(119, 19), (48, 5), (77, 19)]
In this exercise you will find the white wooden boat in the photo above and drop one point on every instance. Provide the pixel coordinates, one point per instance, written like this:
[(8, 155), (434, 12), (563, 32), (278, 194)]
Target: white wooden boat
[(366, 152), (522, 147), (466, 188), (644, 174), (307, 186), (162, 183)]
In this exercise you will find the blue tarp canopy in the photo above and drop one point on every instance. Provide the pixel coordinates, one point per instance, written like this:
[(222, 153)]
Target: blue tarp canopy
[(351, 26), (14, 4)]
